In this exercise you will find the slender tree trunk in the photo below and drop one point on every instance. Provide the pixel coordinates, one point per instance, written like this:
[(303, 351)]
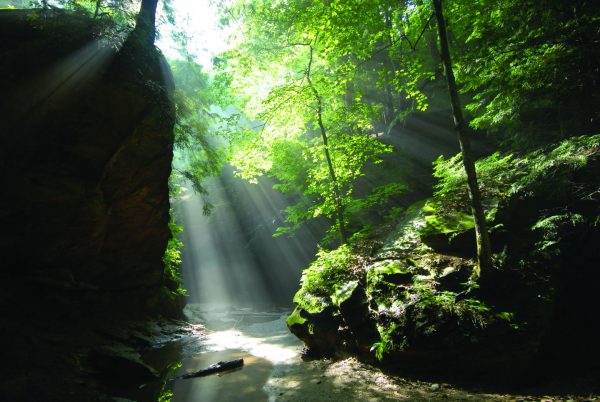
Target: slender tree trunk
[(336, 189), (97, 11), (484, 253), (431, 41), (337, 195), (145, 24), (389, 111), (435, 54)]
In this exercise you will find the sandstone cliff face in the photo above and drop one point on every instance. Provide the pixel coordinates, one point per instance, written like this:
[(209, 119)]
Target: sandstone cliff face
[(85, 154)]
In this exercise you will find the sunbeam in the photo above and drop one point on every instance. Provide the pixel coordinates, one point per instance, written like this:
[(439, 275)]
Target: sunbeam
[(230, 257), (64, 77)]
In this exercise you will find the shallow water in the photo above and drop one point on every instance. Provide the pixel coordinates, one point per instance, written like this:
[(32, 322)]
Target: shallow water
[(243, 384), (273, 369), (260, 338)]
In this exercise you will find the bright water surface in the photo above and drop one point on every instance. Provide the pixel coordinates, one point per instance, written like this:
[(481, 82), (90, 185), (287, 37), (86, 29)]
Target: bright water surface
[(260, 338)]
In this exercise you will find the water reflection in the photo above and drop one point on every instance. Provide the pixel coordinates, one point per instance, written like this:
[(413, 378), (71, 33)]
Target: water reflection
[(243, 384), (260, 338)]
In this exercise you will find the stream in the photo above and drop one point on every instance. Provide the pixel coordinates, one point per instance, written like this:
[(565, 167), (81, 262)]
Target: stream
[(260, 338), (273, 369)]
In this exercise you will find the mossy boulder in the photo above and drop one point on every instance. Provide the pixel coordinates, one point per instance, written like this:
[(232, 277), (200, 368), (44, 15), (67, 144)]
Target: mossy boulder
[(359, 319), (448, 232), (320, 331)]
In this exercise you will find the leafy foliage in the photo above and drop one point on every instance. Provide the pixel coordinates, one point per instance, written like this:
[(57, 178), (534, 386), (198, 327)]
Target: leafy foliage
[(172, 256), (198, 150), (369, 75), (529, 73), (553, 228), (121, 12), (502, 176), (325, 277), (387, 344), (315, 121)]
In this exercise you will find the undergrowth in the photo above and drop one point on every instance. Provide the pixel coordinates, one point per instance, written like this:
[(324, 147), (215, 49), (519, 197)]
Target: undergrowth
[(507, 176), (172, 256), (420, 299), (326, 275)]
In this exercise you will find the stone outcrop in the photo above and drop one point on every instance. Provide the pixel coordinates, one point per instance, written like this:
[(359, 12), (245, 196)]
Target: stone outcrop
[(86, 139), (419, 309), (85, 155)]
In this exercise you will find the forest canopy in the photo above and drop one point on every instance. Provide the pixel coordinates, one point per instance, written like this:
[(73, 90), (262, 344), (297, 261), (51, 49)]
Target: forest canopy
[(327, 83)]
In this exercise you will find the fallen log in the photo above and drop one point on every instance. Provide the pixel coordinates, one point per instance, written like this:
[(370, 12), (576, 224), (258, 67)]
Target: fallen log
[(215, 368)]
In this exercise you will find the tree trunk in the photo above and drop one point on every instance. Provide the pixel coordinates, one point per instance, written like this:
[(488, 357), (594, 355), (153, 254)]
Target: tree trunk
[(435, 54), (484, 253), (336, 189), (145, 24), (97, 10), (389, 110), (337, 195), (431, 41)]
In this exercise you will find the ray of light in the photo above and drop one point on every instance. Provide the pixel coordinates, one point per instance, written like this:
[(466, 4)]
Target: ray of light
[(65, 76), (230, 258)]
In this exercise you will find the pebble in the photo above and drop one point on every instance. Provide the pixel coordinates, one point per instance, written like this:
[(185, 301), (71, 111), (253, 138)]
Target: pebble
[(435, 387)]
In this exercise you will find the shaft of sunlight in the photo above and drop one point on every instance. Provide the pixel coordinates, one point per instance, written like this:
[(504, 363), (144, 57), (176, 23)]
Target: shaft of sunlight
[(230, 258), (65, 76)]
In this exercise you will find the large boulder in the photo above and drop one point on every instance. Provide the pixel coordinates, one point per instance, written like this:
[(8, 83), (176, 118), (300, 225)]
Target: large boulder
[(86, 138), (86, 146)]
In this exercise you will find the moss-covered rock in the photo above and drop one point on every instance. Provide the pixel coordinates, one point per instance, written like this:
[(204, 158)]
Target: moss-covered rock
[(417, 302), (321, 332), (448, 232)]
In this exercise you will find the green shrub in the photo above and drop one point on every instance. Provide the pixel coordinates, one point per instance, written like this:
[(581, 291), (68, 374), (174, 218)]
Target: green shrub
[(388, 343), (502, 177), (553, 228), (172, 256), (325, 277)]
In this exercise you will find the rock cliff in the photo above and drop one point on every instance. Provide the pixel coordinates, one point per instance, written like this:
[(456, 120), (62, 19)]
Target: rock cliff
[(85, 154)]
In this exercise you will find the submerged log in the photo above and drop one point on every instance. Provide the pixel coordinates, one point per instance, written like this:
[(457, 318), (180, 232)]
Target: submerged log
[(215, 368)]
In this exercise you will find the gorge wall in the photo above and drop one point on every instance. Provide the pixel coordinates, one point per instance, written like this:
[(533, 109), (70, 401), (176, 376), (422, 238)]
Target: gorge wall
[(85, 154)]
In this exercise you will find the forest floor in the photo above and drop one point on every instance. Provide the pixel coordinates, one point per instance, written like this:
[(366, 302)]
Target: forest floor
[(274, 370)]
